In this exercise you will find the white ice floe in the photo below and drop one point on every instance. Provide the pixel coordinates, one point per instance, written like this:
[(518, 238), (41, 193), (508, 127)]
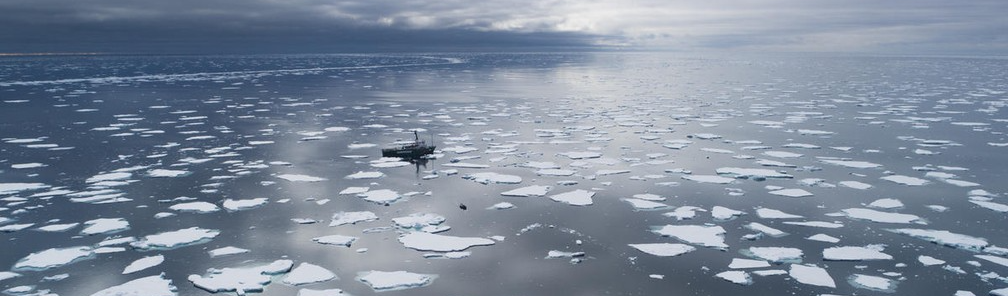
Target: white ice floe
[(426, 222), (225, 251), (820, 224), (155, 285), (465, 165), (751, 173), (649, 196), (114, 176), (928, 260), (855, 253), (11, 188), (823, 238), (300, 178), (534, 190), (240, 280), (581, 155), (233, 205), (354, 190), (16, 227), (30, 165), (793, 192), (6, 275), (905, 180), (663, 249), (335, 240), (364, 175), (708, 179), (945, 238), (773, 232), (782, 154), (326, 292), (175, 239), (736, 276), (684, 212), (163, 173), (811, 275), (874, 283), (501, 206), (739, 263), (490, 177), (706, 236), (886, 203), (644, 205), (852, 163), (381, 196), (199, 207), (995, 259), (724, 214), (556, 172), (766, 213), (775, 254), (422, 241), (143, 263), (307, 273), (381, 281), (855, 185), (577, 197), (343, 218), (991, 206), (105, 226), (52, 258), (881, 217)]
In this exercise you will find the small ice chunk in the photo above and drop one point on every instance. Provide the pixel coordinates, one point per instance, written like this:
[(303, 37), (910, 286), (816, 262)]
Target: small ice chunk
[(199, 207), (577, 197), (820, 224), (422, 241), (663, 249), (905, 180), (364, 175), (886, 203), (725, 214), (143, 263), (874, 283), (381, 281), (534, 190), (354, 190), (782, 154), (225, 251), (343, 218), (336, 240), (57, 227), (233, 205), (175, 239), (501, 206), (991, 206), (928, 260), (736, 276), (155, 285), (326, 292), (163, 173), (706, 236), (739, 263), (751, 173), (52, 258), (307, 273), (581, 155), (105, 226), (773, 232), (300, 178), (823, 238), (644, 205), (715, 179), (6, 275), (775, 254), (490, 177), (426, 222), (811, 275), (854, 253), (852, 163), (794, 192), (855, 185), (995, 259), (766, 213), (881, 217)]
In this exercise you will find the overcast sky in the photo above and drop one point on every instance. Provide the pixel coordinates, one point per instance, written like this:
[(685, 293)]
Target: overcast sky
[(872, 26)]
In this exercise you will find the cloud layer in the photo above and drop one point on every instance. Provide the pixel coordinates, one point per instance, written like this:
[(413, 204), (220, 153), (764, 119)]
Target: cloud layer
[(898, 26)]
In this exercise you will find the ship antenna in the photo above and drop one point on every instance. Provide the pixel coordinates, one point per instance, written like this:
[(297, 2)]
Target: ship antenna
[(416, 137)]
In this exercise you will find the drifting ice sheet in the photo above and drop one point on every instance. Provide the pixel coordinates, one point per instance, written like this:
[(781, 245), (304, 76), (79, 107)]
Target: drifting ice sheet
[(575, 198), (706, 236), (663, 249), (811, 275), (52, 258), (422, 241), (308, 273), (395, 280), (156, 285), (176, 239)]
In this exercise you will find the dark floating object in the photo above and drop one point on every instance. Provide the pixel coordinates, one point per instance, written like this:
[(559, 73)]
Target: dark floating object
[(463, 206), (413, 150)]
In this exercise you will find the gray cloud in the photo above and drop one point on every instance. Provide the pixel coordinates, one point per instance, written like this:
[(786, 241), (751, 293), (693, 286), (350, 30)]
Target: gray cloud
[(908, 26)]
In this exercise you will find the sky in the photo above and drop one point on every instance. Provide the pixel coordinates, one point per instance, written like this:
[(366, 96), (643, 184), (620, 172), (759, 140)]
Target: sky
[(966, 27)]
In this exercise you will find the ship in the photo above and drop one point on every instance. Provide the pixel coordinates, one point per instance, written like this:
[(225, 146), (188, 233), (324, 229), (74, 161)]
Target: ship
[(410, 150)]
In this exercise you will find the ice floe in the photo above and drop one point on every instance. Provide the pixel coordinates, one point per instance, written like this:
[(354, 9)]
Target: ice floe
[(874, 283), (736, 276), (52, 258), (307, 273), (343, 218), (200, 207), (225, 251), (793, 192), (241, 280), (854, 253), (577, 197), (881, 217), (705, 236), (775, 254), (394, 280), (739, 263), (490, 177), (423, 241), (105, 226), (175, 239), (156, 285), (715, 179), (945, 238), (811, 275), (905, 180), (300, 178), (663, 249), (336, 240), (143, 263), (534, 190), (244, 204)]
